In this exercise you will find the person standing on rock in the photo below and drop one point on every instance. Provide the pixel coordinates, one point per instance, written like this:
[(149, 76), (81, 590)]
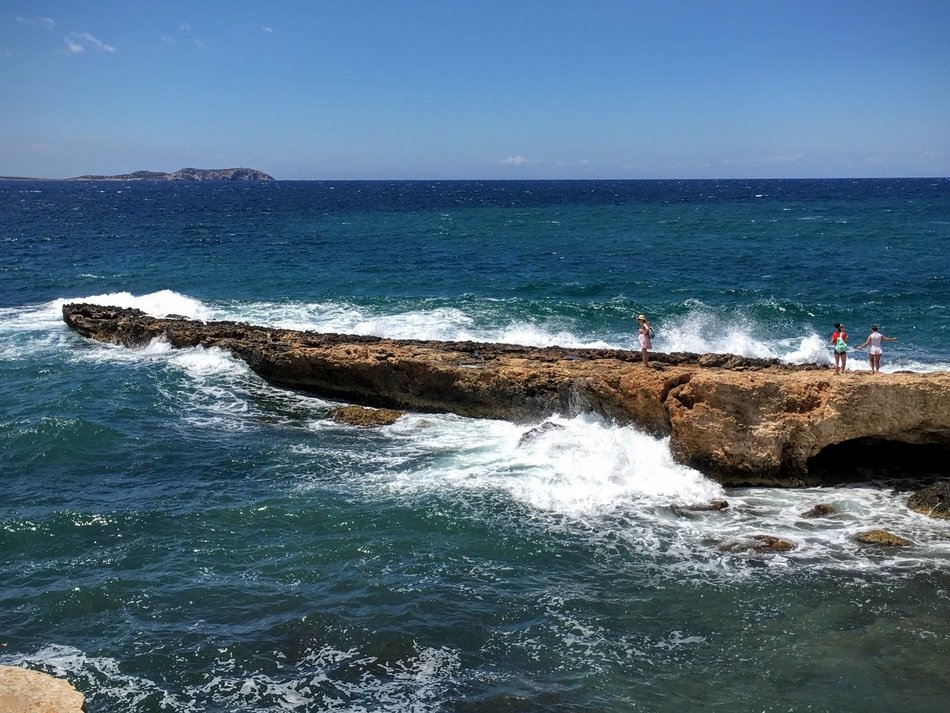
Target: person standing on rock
[(839, 343), (874, 353), (645, 336)]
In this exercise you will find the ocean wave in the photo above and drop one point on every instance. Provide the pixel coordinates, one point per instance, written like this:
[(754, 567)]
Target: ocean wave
[(618, 485)]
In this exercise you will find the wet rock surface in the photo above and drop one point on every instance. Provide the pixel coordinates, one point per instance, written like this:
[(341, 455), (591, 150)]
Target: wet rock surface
[(366, 417), (934, 500), (882, 538)]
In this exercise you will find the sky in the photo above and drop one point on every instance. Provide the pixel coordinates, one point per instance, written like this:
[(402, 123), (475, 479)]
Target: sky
[(477, 89)]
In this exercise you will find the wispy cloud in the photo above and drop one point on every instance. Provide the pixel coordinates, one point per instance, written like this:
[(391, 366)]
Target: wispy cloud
[(46, 22), (73, 46), (95, 42), (267, 30), (78, 42), (518, 160)]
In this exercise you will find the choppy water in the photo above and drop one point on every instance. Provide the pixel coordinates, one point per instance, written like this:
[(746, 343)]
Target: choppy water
[(177, 535)]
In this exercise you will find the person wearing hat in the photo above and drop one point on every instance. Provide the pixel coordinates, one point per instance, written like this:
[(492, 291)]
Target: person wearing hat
[(644, 336)]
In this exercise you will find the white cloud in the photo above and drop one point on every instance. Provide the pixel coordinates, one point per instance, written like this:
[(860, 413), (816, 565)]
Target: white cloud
[(94, 41), (168, 40), (73, 46), (185, 27), (518, 160), (268, 30), (46, 22)]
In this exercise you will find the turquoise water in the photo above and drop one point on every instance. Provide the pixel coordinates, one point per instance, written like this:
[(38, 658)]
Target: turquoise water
[(177, 535)]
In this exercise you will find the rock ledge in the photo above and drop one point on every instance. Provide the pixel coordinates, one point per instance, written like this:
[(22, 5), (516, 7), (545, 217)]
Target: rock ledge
[(741, 421)]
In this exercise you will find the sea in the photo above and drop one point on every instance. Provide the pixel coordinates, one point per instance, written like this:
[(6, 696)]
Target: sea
[(178, 535)]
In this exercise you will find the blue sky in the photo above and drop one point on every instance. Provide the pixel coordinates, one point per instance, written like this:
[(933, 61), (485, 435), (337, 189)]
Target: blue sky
[(443, 89)]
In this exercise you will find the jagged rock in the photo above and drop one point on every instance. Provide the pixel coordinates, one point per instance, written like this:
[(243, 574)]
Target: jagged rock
[(537, 431), (25, 691), (366, 417), (819, 510), (934, 500), (883, 538), (758, 543), (744, 422)]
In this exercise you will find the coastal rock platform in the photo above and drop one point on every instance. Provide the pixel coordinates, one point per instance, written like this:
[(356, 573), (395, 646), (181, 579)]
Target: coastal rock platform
[(738, 420)]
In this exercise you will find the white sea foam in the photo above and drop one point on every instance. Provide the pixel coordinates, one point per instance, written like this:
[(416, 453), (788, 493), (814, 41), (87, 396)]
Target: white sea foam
[(418, 682), (437, 323), (701, 329), (621, 485), (158, 304)]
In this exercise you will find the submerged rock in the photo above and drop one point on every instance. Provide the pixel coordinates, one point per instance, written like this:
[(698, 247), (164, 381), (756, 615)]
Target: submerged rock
[(539, 431), (933, 500), (882, 538), (711, 505), (759, 543), (819, 510)]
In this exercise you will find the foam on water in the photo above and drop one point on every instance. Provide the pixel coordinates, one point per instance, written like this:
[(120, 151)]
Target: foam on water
[(417, 683), (158, 304), (700, 330), (618, 484)]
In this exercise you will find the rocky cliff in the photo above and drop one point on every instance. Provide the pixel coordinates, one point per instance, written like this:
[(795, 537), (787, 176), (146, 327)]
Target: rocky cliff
[(739, 420)]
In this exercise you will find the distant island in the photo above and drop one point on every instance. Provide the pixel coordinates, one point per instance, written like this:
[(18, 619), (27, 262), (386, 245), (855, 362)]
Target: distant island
[(186, 174)]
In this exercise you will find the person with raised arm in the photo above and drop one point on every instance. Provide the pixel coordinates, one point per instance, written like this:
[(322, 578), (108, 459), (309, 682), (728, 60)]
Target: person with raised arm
[(874, 353)]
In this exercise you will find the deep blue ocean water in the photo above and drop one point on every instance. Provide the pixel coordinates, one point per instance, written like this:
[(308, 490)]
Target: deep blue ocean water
[(178, 535)]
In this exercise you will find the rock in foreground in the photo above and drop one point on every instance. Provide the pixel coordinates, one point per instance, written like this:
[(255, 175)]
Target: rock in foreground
[(25, 691), (738, 420)]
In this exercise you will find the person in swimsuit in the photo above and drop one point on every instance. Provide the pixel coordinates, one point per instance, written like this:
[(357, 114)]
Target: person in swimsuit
[(874, 353), (644, 336), (839, 342)]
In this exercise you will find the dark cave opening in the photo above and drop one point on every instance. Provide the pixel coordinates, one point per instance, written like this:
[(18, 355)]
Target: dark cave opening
[(874, 459)]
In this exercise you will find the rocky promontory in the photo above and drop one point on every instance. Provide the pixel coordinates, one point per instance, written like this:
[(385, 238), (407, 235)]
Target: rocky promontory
[(186, 174), (736, 419)]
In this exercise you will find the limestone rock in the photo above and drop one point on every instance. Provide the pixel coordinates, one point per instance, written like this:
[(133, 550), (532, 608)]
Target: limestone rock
[(759, 543), (934, 500), (26, 691), (366, 417), (882, 538), (741, 421)]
